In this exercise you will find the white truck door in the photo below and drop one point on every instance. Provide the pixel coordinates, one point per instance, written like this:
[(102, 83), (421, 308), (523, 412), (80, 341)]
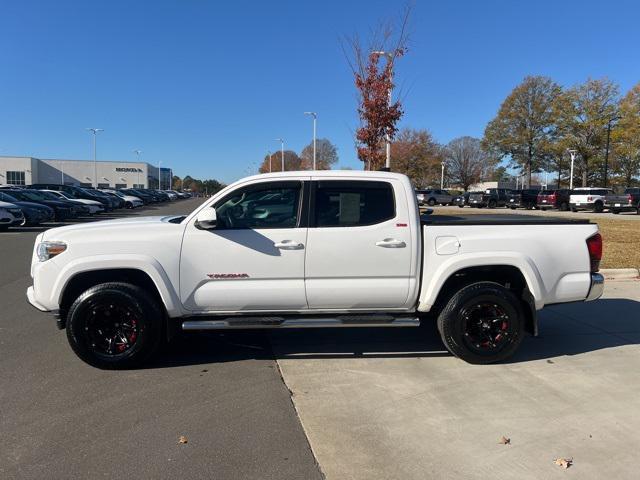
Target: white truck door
[(359, 247), (254, 258)]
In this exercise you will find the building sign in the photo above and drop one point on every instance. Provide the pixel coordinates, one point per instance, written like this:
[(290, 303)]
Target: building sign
[(127, 169)]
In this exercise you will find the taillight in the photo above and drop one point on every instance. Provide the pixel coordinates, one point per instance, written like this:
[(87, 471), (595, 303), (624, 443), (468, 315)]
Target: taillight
[(589, 199), (594, 245), (629, 199), (552, 197)]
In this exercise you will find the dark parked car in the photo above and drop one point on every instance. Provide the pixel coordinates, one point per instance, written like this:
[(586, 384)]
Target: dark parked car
[(462, 200), (33, 213), (75, 192), (629, 201), (525, 198), (145, 197), (114, 200), (63, 210), (554, 199), (491, 197)]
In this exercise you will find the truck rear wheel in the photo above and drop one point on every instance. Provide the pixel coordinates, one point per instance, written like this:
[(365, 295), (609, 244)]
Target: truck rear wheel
[(482, 323), (114, 326)]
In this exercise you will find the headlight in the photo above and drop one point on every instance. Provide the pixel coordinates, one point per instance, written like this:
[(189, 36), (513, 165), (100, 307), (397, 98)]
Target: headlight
[(47, 250)]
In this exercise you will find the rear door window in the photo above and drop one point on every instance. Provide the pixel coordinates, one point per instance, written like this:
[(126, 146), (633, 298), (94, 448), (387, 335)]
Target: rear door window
[(353, 203)]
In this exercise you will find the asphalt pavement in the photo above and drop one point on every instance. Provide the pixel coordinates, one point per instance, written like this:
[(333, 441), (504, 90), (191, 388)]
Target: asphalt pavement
[(61, 419)]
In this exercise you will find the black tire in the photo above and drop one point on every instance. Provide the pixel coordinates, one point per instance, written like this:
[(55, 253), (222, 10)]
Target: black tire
[(512, 208), (564, 207), (431, 202), (492, 204), (462, 317), (128, 205), (615, 212), (99, 309), (598, 207), (461, 206), (574, 210)]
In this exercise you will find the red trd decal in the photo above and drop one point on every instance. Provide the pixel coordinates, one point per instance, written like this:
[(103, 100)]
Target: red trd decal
[(401, 224), (218, 276)]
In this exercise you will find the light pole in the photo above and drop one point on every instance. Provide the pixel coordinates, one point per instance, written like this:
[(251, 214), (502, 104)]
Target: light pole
[(95, 132), (281, 151), (315, 119), (62, 172), (138, 152), (387, 137), (269, 153), (442, 177), (159, 175), (572, 152)]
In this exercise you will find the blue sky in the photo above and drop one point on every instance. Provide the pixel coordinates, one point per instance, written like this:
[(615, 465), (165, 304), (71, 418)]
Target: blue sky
[(205, 86)]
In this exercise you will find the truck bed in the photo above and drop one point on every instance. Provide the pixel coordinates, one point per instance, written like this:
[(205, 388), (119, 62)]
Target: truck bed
[(498, 219)]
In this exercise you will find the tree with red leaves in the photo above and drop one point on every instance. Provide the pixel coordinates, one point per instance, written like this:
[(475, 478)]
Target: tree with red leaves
[(378, 114)]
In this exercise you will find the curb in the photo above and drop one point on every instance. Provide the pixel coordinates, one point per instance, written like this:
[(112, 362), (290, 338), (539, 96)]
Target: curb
[(620, 273)]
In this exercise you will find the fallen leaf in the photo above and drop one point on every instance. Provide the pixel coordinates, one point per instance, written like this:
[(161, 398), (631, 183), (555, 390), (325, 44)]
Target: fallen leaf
[(563, 462), (505, 441), (550, 361), (182, 439)]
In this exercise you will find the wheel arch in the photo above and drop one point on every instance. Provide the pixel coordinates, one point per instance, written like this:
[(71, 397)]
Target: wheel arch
[(509, 276)]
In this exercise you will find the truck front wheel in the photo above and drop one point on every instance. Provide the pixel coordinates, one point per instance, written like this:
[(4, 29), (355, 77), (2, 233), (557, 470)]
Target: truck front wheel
[(482, 323), (114, 325)]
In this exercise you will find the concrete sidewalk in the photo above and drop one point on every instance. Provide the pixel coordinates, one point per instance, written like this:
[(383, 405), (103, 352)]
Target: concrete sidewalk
[(392, 404)]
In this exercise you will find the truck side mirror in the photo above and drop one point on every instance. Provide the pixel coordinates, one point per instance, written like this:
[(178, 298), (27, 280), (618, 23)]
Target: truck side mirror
[(207, 219)]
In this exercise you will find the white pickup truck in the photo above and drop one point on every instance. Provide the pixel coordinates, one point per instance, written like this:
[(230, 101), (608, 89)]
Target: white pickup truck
[(310, 249)]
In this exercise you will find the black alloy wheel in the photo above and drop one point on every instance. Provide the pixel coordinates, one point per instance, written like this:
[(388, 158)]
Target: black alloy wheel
[(115, 325)]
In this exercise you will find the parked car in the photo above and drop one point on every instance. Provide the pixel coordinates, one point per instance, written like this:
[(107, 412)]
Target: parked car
[(491, 197), (629, 201), (172, 195), (63, 210), (130, 201), (310, 249), (559, 198), (32, 213), (145, 197), (114, 201), (180, 195), (433, 197), (588, 198), (462, 200), (75, 193), (10, 215), (92, 206), (525, 198)]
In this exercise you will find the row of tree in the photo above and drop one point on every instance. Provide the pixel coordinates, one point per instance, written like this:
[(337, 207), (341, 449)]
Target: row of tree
[(326, 158), (540, 122), (188, 183)]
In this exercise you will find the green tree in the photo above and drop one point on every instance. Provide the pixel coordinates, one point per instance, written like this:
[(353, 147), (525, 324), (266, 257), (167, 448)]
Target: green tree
[(416, 154), (326, 155), (584, 112), (524, 125), (626, 137)]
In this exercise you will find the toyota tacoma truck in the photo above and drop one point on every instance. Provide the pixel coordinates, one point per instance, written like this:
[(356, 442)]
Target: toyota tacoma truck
[(310, 249)]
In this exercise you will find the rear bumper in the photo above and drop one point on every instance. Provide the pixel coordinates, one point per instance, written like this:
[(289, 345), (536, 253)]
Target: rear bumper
[(622, 207), (582, 206), (597, 287)]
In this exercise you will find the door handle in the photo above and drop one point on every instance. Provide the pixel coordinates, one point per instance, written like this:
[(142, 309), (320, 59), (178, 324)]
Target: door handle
[(288, 245), (391, 243)]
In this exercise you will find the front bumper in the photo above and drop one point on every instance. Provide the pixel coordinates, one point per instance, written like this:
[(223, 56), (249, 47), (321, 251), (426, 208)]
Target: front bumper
[(597, 287), (31, 297)]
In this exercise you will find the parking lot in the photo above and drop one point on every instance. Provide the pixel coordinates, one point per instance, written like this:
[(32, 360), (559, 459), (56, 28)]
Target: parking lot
[(362, 403)]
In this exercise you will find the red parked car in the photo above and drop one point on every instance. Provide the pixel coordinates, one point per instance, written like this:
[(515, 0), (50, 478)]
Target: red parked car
[(554, 199)]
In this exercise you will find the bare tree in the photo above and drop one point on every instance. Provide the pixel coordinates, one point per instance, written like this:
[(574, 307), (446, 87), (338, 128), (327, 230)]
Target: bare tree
[(465, 161), (326, 155)]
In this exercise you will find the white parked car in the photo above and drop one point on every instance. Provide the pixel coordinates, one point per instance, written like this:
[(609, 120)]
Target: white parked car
[(588, 198), (172, 195), (10, 215), (94, 206), (310, 249), (129, 200)]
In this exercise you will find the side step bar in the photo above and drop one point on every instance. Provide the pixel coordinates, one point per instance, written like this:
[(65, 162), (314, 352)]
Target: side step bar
[(301, 322)]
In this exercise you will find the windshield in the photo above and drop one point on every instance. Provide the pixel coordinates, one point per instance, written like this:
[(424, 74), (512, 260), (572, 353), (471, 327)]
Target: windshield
[(31, 195), (7, 198)]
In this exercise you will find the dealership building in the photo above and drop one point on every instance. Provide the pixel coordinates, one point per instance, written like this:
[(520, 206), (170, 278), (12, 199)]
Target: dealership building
[(82, 173)]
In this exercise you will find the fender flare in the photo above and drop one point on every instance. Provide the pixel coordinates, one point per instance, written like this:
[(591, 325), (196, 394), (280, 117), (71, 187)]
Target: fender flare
[(144, 263)]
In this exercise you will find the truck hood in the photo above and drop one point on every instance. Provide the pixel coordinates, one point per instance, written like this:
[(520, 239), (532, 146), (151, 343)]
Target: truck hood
[(124, 226)]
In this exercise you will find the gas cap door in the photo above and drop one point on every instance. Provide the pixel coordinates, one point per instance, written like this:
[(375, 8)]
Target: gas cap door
[(447, 245)]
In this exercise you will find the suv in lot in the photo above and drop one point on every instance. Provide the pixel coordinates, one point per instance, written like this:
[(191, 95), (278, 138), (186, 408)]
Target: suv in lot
[(629, 201), (522, 198), (491, 197), (10, 215), (432, 197), (75, 193), (559, 199), (588, 198), (33, 213)]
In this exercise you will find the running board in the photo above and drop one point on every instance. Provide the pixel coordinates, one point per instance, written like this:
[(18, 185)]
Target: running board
[(235, 323)]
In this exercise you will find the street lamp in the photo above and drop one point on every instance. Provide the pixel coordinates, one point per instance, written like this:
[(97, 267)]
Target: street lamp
[(138, 152), (572, 152), (159, 175), (62, 172), (95, 132), (387, 137), (269, 153), (315, 118), (442, 177), (281, 150)]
